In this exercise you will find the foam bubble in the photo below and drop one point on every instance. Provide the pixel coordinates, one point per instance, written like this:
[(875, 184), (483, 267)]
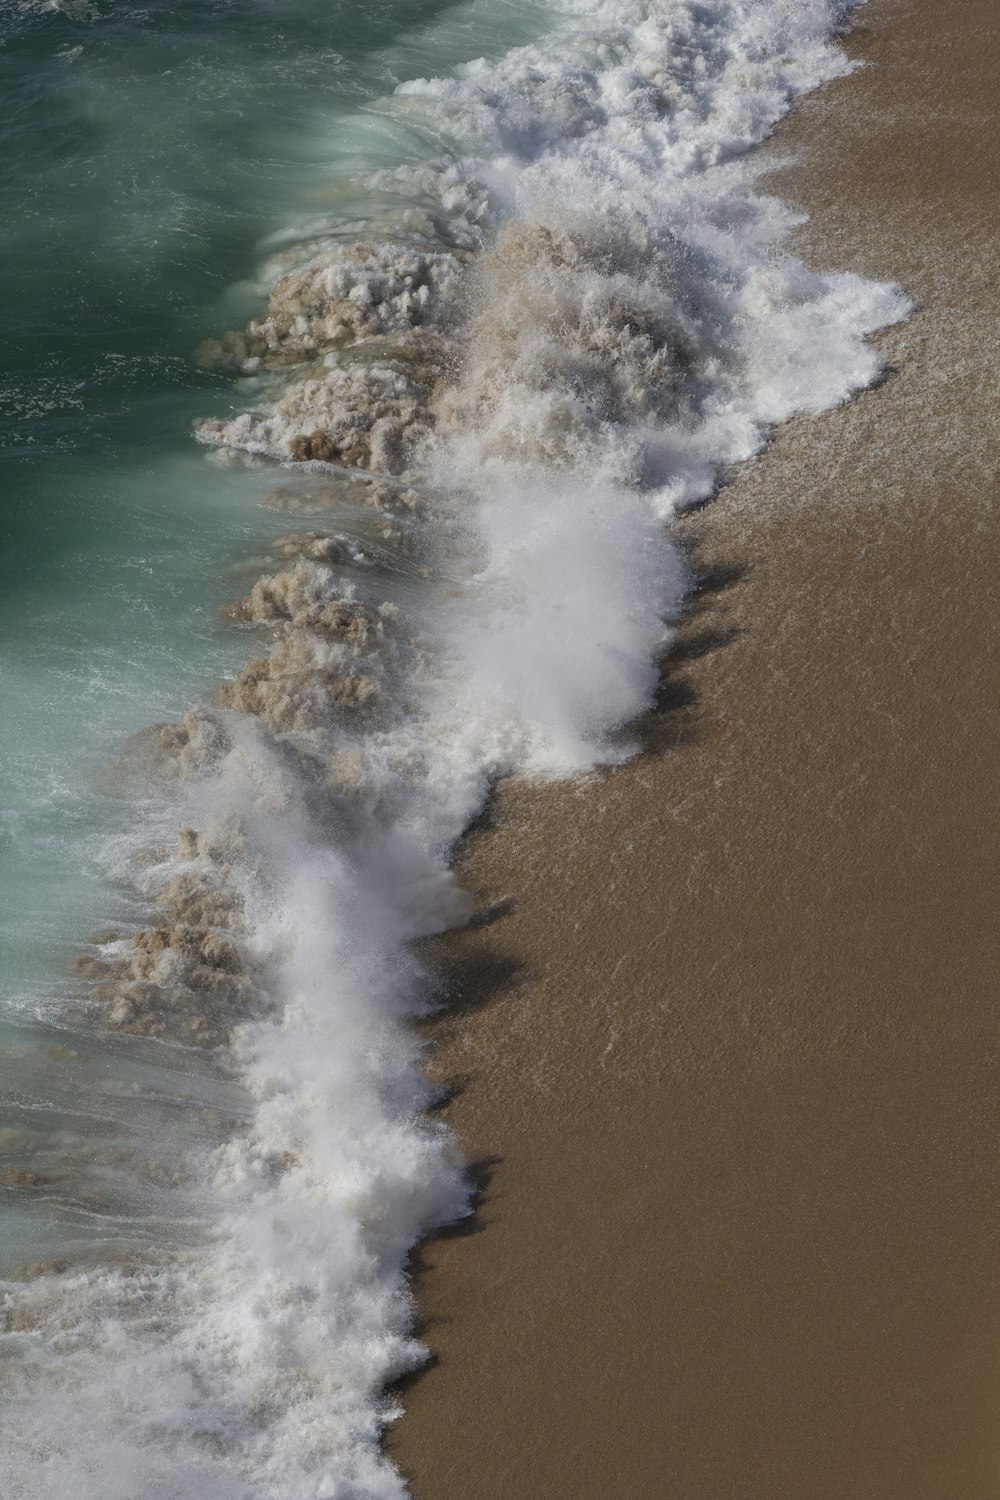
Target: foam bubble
[(579, 311)]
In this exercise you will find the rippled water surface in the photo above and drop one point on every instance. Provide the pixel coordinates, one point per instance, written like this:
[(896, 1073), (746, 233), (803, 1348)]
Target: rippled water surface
[(522, 301), (151, 156)]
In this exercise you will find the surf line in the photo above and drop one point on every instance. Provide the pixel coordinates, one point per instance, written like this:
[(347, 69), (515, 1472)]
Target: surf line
[(569, 311)]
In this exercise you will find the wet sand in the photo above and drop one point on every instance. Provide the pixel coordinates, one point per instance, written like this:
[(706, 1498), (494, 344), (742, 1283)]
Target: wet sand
[(727, 1049)]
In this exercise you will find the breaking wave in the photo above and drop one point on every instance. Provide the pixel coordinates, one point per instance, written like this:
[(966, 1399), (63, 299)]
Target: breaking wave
[(566, 308)]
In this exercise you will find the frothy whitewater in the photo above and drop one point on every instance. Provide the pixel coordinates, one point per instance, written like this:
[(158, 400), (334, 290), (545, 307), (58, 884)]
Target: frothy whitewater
[(539, 308)]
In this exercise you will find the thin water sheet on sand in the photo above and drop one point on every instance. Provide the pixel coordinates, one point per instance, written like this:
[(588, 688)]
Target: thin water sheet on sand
[(584, 311), (730, 1054)]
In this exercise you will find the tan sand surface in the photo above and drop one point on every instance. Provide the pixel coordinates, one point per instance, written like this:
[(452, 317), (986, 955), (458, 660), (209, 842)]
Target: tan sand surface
[(728, 1052)]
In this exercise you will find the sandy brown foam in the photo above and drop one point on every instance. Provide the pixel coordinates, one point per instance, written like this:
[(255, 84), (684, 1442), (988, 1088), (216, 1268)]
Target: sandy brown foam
[(729, 1050)]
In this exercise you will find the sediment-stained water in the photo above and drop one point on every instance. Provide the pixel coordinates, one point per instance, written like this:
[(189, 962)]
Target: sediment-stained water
[(358, 360)]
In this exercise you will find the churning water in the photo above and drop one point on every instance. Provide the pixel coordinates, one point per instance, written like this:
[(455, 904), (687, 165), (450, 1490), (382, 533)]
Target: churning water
[(356, 358)]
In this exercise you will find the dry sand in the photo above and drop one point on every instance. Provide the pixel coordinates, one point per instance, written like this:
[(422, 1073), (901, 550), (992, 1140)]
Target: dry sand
[(729, 1052)]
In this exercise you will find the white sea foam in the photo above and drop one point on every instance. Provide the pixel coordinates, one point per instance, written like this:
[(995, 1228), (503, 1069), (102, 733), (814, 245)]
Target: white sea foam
[(594, 314)]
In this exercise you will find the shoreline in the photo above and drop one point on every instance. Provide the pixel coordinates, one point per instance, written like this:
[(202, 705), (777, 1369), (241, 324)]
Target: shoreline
[(725, 1058)]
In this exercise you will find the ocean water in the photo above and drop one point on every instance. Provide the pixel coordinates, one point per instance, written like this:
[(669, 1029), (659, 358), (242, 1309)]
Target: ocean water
[(357, 358)]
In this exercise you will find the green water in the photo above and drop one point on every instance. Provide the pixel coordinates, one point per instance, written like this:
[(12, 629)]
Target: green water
[(151, 156)]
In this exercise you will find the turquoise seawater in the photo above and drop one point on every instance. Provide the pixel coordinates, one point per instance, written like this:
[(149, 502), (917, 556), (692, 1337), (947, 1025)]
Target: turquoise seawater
[(526, 302), (151, 156)]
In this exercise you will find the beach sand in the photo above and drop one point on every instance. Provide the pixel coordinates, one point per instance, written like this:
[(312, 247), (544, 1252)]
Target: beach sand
[(726, 1045)]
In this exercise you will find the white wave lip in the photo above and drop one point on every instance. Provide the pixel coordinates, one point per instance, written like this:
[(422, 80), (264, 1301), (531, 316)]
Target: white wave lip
[(593, 315)]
